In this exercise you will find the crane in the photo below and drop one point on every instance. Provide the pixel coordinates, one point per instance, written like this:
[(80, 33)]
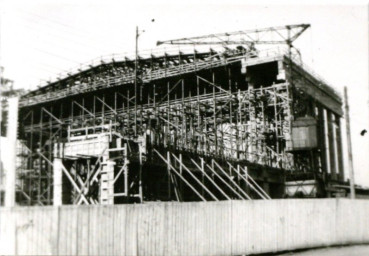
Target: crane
[(284, 35)]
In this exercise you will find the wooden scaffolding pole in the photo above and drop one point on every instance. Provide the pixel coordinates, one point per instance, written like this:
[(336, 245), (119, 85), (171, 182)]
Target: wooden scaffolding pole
[(349, 149)]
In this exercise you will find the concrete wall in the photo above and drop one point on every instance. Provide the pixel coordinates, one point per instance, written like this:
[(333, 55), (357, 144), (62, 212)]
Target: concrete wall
[(213, 228)]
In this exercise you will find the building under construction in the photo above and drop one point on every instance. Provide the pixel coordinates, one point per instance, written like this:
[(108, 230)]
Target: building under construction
[(237, 120)]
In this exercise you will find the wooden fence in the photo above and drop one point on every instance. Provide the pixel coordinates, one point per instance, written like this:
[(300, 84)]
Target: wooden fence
[(205, 228)]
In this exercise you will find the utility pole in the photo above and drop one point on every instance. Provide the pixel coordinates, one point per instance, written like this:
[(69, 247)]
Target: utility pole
[(349, 147), (1, 112), (1, 118), (136, 95), (140, 102), (136, 67)]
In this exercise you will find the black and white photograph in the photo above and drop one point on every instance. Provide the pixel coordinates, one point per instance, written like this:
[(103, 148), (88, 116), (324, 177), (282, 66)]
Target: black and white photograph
[(188, 128)]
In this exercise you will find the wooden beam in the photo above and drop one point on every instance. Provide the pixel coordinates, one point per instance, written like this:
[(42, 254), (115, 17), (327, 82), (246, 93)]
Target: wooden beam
[(184, 180), (209, 178), (195, 178), (103, 102), (57, 119), (349, 147), (84, 108)]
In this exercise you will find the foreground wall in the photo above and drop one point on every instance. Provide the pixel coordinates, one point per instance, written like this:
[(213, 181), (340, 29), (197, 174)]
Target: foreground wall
[(212, 228)]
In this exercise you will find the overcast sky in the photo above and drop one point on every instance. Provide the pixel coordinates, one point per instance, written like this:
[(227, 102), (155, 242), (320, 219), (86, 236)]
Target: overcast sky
[(40, 39)]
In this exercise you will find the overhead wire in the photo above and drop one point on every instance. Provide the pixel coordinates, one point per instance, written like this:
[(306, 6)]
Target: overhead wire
[(72, 30), (48, 68), (64, 37)]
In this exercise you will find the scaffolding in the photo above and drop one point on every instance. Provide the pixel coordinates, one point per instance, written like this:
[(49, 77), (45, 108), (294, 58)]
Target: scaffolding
[(213, 125)]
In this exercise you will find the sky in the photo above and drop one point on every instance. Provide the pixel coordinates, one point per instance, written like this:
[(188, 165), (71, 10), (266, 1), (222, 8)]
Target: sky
[(40, 40)]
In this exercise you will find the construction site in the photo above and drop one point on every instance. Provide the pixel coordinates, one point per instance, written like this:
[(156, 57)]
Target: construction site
[(220, 144), (240, 116)]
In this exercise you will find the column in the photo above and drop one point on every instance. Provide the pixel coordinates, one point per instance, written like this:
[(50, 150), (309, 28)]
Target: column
[(10, 172), (57, 181)]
